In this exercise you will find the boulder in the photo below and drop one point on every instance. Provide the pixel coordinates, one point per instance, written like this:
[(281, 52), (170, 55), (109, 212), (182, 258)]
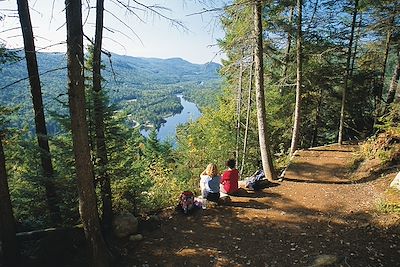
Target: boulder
[(396, 182), (125, 225)]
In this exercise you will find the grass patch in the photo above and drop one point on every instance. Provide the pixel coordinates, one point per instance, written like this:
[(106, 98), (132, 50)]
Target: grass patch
[(356, 162), (387, 207), (391, 203)]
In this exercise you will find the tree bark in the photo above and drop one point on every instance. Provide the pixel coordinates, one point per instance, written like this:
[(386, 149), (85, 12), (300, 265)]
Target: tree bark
[(387, 49), (317, 120), (395, 80), (299, 80), (289, 45), (98, 100), (378, 98), (40, 122), (358, 36), (246, 130), (84, 169), (260, 99), (347, 74), (238, 109), (7, 221)]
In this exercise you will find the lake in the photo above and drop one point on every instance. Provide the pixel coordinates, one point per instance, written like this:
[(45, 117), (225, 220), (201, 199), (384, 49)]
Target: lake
[(167, 131)]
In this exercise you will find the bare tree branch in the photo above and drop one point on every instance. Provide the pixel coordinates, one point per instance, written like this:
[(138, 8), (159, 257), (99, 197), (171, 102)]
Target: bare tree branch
[(113, 40), (26, 78), (88, 12), (112, 30), (153, 9), (10, 29), (126, 25)]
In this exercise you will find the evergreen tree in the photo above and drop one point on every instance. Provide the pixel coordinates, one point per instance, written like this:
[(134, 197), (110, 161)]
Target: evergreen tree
[(101, 148), (40, 122), (299, 79), (83, 165), (7, 221), (266, 156)]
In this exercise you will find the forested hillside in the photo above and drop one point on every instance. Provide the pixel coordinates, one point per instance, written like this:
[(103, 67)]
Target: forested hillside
[(329, 74), (144, 87)]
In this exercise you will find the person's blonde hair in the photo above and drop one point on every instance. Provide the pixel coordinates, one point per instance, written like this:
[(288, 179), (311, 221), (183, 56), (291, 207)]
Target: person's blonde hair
[(212, 170)]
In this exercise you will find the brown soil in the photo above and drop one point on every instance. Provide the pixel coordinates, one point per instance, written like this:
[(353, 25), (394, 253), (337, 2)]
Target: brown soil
[(317, 216)]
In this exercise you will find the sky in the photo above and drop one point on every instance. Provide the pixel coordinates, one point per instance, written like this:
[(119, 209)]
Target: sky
[(143, 34)]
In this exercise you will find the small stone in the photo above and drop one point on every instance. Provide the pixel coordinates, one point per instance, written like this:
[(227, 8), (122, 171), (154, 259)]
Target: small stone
[(137, 237), (325, 260)]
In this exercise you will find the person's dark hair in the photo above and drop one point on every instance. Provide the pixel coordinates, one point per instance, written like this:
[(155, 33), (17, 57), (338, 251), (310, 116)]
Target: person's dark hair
[(231, 163)]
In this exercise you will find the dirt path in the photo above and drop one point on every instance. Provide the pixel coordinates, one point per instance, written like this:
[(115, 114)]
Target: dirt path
[(315, 217)]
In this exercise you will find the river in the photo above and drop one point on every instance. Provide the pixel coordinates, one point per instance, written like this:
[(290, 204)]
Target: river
[(167, 131)]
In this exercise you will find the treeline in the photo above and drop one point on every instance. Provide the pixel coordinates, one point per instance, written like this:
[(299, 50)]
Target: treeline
[(330, 70)]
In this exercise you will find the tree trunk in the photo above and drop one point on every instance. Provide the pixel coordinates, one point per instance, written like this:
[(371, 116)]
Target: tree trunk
[(299, 82), (84, 169), (395, 80), (7, 222), (246, 130), (379, 109), (260, 99), (353, 59), (317, 120), (289, 45), (387, 49), (238, 109), (347, 74), (98, 100), (40, 122)]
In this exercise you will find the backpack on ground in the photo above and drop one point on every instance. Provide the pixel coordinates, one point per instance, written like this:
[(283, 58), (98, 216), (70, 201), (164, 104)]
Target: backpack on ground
[(254, 182), (186, 202)]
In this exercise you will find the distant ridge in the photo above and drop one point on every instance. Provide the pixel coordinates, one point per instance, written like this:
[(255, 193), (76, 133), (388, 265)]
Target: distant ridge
[(139, 71)]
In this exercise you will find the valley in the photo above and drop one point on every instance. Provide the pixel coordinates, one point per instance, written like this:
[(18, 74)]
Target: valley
[(145, 88)]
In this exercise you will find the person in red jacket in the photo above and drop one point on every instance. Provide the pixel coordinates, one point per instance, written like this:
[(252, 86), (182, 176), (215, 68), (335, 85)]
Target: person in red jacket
[(230, 178)]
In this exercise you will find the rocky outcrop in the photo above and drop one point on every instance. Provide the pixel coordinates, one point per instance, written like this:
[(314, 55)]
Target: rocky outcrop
[(396, 182), (125, 225)]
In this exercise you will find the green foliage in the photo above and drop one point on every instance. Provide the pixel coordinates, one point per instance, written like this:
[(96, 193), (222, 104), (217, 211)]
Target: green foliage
[(387, 207), (7, 55), (145, 88), (147, 175), (385, 145), (25, 180)]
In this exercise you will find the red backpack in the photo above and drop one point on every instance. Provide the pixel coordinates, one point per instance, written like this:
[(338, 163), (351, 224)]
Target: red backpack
[(186, 201)]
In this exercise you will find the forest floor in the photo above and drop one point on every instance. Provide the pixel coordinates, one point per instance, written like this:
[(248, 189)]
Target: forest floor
[(323, 213)]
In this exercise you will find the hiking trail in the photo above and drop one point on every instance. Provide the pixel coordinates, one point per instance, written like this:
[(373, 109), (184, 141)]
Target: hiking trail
[(317, 216)]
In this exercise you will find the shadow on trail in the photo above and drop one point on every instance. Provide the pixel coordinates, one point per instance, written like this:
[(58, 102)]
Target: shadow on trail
[(248, 204), (256, 193), (316, 181), (226, 236), (330, 150)]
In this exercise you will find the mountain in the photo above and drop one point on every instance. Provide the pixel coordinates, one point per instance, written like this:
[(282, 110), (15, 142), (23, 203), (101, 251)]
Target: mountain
[(126, 70), (162, 71), (151, 82)]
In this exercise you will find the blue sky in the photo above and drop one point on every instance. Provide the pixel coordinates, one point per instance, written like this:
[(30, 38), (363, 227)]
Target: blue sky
[(147, 36)]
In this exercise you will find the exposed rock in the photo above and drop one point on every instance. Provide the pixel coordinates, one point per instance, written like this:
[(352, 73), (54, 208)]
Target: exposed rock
[(324, 260), (396, 182), (137, 237), (125, 225)]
